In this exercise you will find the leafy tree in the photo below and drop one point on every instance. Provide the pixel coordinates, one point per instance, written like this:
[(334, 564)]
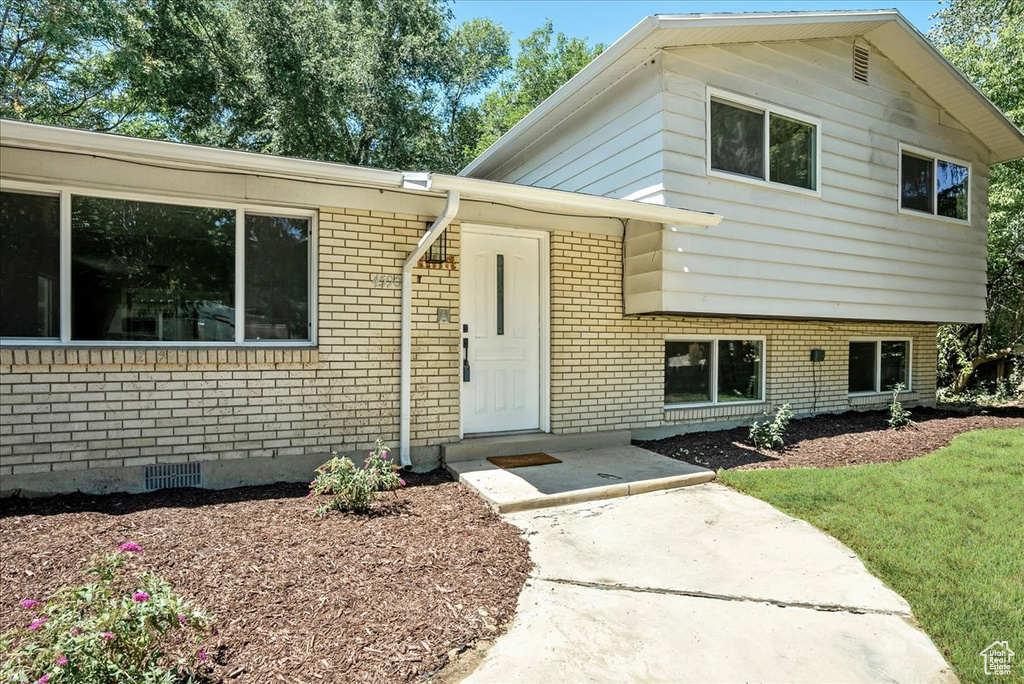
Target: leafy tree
[(985, 40), (383, 83), (142, 68), (545, 61)]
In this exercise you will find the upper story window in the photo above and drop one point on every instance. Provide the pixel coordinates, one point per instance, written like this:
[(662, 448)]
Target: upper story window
[(934, 185), (752, 141), (127, 271)]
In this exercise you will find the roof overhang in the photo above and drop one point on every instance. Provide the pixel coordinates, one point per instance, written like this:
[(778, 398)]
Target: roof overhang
[(887, 30), (19, 134)]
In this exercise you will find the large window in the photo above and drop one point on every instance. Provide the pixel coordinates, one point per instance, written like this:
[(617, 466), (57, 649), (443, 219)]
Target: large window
[(142, 271), (153, 271), (714, 371), (756, 142), (878, 365), (932, 185), (29, 265)]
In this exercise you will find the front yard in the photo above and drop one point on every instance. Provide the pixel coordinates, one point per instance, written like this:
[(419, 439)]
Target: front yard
[(945, 531), (382, 597)]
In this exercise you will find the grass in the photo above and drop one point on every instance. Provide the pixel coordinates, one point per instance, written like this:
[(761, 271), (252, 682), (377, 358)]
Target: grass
[(945, 531)]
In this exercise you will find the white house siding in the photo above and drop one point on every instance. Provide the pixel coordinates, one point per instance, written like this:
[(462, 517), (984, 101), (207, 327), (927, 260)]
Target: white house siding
[(848, 254), (608, 370), (612, 147)]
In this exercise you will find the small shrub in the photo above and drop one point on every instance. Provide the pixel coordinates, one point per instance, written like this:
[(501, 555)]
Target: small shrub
[(771, 433), (381, 470), (898, 416), (120, 627), (351, 488)]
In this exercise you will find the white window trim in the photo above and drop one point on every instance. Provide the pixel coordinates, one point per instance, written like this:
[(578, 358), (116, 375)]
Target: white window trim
[(241, 209), (767, 109), (935, 157), (714, 339), (878, 391)]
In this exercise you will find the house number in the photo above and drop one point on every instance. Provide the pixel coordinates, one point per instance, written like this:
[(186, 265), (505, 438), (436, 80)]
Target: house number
[(386, 280)]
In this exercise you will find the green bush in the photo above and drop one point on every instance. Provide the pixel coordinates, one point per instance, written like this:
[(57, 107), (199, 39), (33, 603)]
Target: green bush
[(771, 433), (351, 488), (121, 627), (898, 416)]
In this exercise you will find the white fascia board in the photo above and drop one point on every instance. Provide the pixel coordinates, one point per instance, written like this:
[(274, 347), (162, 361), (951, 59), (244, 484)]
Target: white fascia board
[(674, 21), (57, 139), (570, 203)]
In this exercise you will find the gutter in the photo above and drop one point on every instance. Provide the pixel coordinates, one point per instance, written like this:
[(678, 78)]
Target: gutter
[(563, 202), (451, 208)]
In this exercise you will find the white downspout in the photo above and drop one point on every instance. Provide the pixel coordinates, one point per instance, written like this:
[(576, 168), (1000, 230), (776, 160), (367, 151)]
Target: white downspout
[(451, 208)]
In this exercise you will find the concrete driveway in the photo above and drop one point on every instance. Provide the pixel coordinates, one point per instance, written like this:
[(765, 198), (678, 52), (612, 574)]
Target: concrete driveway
[(701, 584)]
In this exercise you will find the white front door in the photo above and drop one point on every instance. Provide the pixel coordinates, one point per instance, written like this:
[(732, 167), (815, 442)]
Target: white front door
[(501, 326)]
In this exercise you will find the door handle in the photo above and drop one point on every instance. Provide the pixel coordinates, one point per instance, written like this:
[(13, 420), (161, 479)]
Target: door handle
[(465, 358)]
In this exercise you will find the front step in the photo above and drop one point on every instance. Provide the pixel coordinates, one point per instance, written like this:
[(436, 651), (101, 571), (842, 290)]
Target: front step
[(476, 448)]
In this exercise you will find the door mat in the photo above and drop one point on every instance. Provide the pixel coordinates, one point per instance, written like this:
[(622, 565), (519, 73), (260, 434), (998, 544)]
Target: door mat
[(522, 461)]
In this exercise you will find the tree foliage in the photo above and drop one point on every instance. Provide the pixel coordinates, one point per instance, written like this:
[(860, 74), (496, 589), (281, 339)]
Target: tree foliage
[(985, 40), (386, 83), (545, 61)]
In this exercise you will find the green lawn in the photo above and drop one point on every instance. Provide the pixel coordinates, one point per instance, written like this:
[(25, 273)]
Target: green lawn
[(946, 531)]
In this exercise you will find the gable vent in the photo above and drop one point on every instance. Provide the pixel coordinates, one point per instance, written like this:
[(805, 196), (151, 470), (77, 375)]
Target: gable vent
[(168, 475), (861, 56)]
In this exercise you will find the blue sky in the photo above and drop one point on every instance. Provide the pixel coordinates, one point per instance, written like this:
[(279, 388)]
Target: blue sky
[(605, 21)]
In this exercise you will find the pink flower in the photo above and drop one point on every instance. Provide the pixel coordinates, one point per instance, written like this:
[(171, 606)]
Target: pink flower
[(401, 482), (37, 623), (181, 618), (140, 596), (75, 631), (63, 660), (106, 635), (202, 654), (29, 603), (129, 547), (45, 678)]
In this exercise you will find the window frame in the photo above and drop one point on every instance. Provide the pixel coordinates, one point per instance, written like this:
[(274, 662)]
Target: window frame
[(767, 109), (935, 158), (240, 208), (878, 365), (714, 339)]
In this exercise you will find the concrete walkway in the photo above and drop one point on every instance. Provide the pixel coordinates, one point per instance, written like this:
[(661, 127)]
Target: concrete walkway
[(701, 584), (582, 475)]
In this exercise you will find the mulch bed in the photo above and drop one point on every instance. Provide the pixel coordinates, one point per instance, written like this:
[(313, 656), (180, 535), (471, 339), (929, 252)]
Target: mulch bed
[(829, 441), (383, 597)]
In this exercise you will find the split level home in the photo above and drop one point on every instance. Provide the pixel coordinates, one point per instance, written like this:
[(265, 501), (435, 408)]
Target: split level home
[(719, 215)]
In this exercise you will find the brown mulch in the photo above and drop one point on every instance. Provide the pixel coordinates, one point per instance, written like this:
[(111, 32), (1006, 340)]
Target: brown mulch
[(829, 441), (382, 597)]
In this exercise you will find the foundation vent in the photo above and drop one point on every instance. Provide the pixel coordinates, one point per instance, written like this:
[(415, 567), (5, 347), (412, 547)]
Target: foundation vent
[(861, 59), (169, 475)]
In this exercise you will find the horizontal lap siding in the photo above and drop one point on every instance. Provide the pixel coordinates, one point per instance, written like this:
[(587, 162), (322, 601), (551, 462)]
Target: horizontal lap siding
[(607, 370), (612, 150), (847, 254)]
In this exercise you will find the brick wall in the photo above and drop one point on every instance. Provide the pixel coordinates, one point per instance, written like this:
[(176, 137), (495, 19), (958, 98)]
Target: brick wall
[(74, 410), (79, 409), (607, 370)]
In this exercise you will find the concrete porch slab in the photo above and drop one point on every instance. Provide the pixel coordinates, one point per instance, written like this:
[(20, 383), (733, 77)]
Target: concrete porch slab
[(583, 475)]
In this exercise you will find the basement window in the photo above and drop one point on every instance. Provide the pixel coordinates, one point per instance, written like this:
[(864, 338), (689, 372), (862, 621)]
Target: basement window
[(878, 365), (712, 370), (754, 142)]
